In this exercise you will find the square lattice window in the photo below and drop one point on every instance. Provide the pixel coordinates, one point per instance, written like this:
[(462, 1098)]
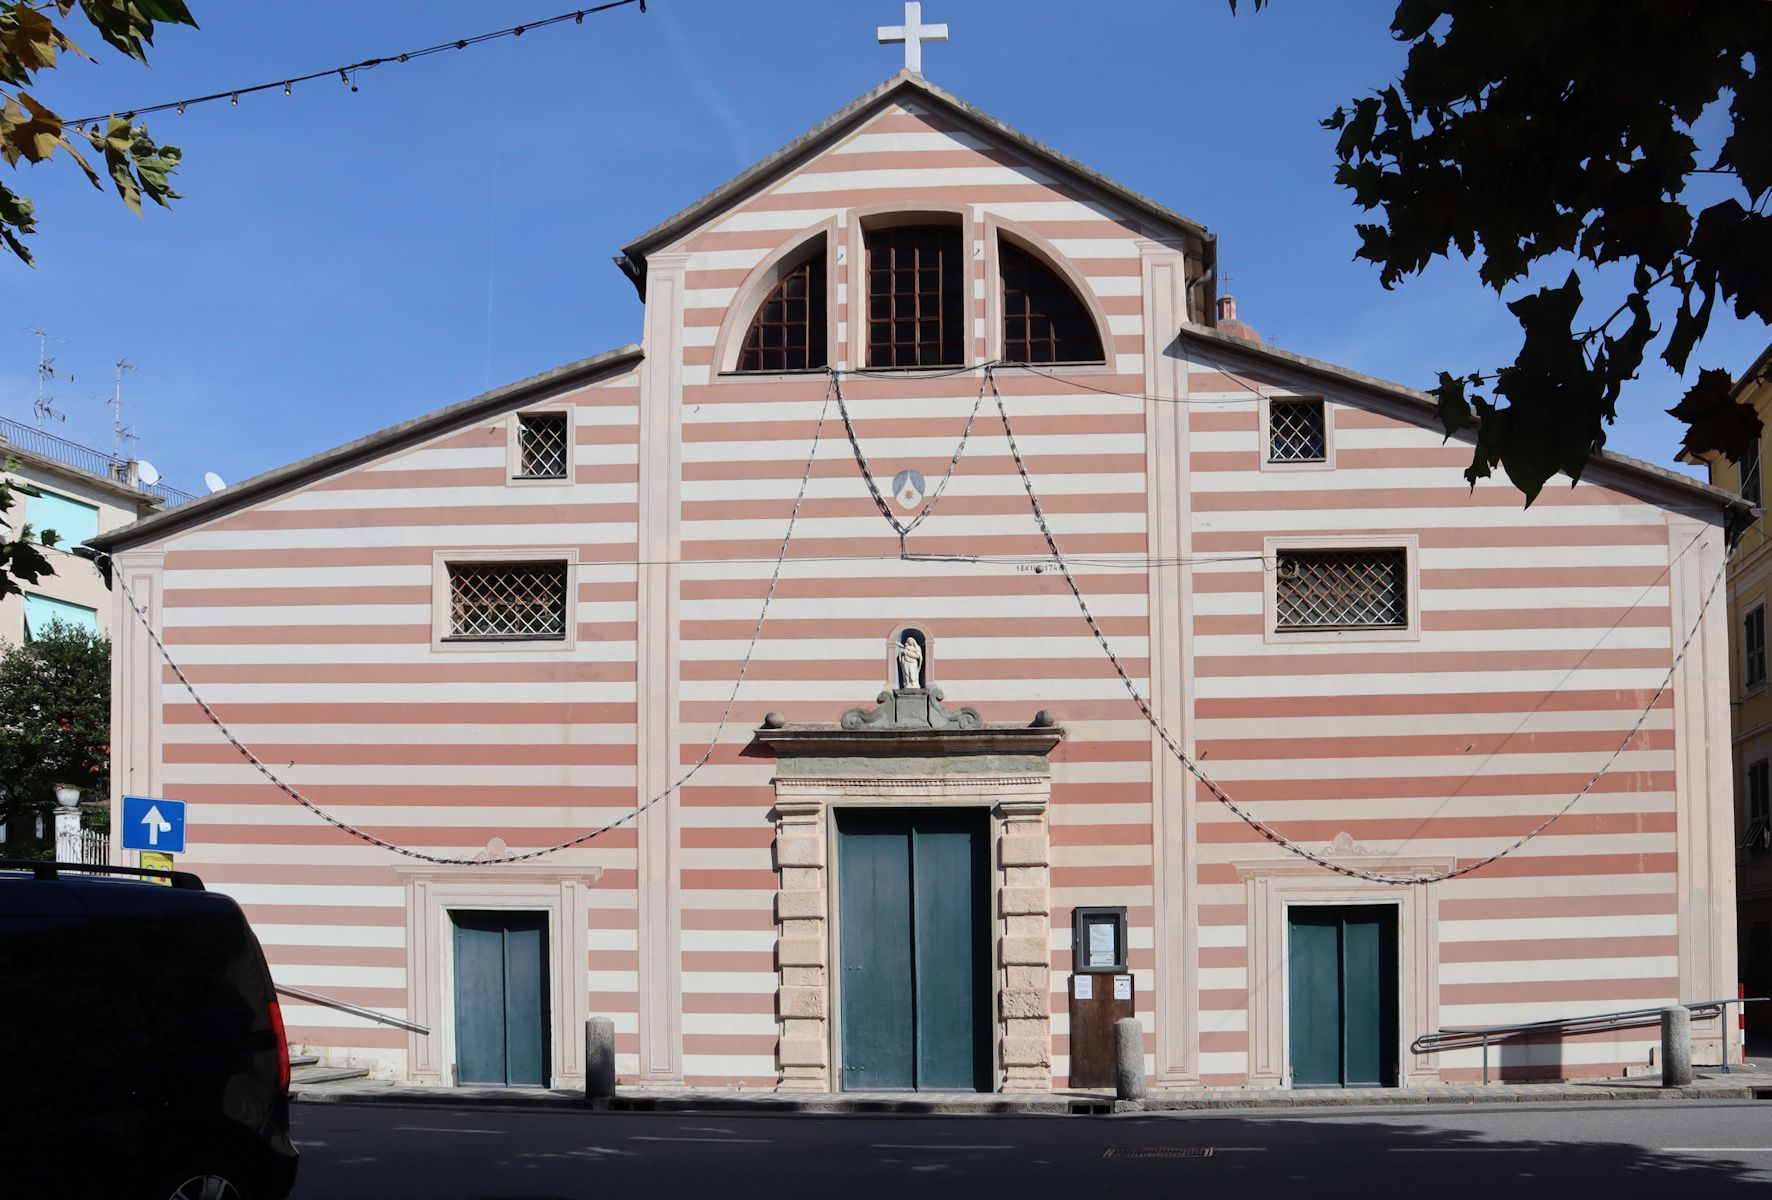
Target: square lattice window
[(1296, 431), (511, 601), (1342, 589), (541, 445)]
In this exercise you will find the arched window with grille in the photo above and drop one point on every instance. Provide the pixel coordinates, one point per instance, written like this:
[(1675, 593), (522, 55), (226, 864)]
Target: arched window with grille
[(1044, 320), (788, 331)]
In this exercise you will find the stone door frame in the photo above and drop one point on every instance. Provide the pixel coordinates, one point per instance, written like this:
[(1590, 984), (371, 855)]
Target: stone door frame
[(1021, 990), (432, 892), (1274, 885)]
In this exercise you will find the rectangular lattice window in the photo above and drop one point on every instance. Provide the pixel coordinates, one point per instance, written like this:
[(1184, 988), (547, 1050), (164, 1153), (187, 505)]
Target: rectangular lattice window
[(1296, 431), (1342, 589), (541, 445), (508, 601)]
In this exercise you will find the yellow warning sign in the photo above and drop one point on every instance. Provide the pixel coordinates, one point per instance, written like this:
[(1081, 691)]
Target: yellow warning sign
[(154, 860)]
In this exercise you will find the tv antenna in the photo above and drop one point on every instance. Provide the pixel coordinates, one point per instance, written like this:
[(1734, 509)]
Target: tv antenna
[(119, 433), (44, 406)]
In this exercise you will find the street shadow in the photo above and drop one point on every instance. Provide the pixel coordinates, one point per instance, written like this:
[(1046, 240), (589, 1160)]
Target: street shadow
[(1520, 1151)]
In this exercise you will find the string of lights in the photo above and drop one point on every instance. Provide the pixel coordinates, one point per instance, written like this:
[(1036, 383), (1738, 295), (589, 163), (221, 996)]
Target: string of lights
[(347, 73)]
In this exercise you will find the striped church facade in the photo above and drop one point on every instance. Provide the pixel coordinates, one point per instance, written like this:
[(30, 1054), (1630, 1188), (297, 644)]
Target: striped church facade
[(311, 610)]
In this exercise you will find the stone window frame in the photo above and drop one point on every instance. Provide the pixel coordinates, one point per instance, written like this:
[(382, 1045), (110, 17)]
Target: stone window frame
[(822, 237), (1290, 465), (443, 643), (1409, 543), (809, 992), (514, 476), (432, 892), (1274, 885)]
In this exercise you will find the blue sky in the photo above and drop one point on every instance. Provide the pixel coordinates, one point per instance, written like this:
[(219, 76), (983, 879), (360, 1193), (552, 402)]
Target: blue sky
[(344, 261)]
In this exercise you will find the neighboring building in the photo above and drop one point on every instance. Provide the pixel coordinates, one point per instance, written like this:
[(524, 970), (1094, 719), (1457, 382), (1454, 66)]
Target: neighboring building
[(519, 618), (80, 493), (1750, 700)]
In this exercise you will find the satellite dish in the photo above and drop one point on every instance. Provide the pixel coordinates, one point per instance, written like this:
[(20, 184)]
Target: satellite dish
[(147, 472), (213, 482)]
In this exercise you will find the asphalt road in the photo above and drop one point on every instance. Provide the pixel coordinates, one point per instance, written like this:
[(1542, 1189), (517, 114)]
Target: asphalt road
[(1666, 1150)]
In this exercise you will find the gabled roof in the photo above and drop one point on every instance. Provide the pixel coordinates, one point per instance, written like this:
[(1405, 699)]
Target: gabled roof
[(395, 437), (632, 259), (1660, 478)]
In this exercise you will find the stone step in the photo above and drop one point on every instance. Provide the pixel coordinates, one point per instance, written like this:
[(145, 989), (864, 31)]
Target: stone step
[(311, 1073), (303, 1060)]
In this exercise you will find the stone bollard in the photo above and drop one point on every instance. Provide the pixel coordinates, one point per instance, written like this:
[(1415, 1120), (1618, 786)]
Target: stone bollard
[(599, 1060), (1128, 1059), (1676, 1046)]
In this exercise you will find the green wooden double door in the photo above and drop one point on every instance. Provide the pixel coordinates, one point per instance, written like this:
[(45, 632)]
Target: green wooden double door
[(1342, 1001), (913, 931), (501, 998)]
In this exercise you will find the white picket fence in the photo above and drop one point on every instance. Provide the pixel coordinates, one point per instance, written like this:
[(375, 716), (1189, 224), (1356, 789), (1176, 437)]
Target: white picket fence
[(95, 848)]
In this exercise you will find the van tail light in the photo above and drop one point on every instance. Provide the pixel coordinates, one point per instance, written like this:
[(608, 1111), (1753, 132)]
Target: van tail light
[(282, 1047)]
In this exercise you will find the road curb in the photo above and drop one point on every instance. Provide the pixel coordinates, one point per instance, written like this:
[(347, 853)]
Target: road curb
[(634, 1101)]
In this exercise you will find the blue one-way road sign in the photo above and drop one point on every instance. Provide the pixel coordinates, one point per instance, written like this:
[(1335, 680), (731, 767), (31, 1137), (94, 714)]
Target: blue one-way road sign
[(150, 824)]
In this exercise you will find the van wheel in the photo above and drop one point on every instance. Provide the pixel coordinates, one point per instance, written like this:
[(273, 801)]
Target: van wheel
[(207, 1181)]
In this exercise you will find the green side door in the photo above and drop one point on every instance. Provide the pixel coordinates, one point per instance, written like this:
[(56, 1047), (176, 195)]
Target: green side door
[(1342, 995), (501, 1014), (913, 926)]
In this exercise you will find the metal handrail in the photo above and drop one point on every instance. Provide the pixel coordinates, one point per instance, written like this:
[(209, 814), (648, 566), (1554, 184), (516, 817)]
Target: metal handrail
[(85, 458), (1463, 1039), (356, 1010)]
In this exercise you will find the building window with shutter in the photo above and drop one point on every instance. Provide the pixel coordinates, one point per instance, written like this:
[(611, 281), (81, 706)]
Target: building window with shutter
[(1753, 647), (1341, 589), (544, 445), (1757, 837), (508, 601), (1750, 472)]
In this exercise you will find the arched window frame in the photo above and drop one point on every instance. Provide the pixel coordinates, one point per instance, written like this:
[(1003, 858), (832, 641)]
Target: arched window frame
[(788, 257), (998, 228), (886, 216)]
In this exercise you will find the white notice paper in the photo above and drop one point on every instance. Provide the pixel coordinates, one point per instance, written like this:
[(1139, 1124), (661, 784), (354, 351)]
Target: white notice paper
[(1084, 991), (1101, 944), (1122, 987)]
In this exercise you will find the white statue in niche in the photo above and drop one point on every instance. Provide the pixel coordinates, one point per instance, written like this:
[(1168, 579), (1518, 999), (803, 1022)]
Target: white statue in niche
[(910, 661)]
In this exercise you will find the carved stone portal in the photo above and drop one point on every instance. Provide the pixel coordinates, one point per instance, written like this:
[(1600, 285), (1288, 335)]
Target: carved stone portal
[(911, 751)]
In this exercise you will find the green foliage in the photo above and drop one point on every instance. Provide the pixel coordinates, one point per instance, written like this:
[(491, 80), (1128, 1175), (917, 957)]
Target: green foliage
[(19, 555), (55, 726), (1521, 130), (30, 42)]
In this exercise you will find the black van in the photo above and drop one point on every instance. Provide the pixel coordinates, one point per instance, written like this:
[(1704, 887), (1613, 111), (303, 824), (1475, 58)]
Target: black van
[(142, 1052)]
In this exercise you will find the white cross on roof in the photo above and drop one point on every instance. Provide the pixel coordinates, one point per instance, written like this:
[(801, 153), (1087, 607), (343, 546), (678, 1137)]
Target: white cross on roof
[(913, 33)]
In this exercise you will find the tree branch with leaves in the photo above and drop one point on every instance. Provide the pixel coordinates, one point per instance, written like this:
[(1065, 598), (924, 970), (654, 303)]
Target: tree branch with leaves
[(1522, 131), (20, 553), (33, 38)]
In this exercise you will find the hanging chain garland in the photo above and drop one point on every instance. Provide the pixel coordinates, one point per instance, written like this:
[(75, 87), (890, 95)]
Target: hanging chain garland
[(295, 794), (904, 528), (834, 391), (1262, 827)]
